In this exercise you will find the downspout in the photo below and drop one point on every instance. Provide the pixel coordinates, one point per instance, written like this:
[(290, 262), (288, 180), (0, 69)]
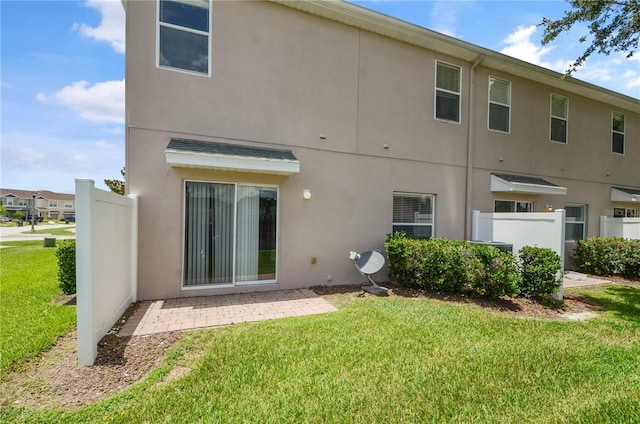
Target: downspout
[(470, 145)]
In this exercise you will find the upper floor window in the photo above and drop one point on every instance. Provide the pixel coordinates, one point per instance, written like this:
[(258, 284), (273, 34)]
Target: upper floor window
[(413, 214), (447, 92), (183, 35), (512, 206), (9, 201), (559, 118), (499, 104), (53, 204), (68, 205), (617, 133)]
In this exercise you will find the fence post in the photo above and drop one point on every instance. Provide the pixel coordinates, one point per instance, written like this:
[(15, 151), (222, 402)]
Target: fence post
[(603, 226), (475, 225), (87, 345), (134, 247), (561, 217)]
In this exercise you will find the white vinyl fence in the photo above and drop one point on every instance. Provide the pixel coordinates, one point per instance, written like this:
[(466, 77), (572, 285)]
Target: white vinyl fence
[(628, 228), (106, 262), (541, 229)]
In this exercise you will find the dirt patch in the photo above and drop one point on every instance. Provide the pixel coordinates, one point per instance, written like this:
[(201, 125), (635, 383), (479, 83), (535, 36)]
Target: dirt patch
[(55, 380), (541, 308)]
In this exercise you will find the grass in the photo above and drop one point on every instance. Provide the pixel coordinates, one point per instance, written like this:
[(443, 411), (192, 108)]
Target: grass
[(29, 321), (394, 360), (54, 231)]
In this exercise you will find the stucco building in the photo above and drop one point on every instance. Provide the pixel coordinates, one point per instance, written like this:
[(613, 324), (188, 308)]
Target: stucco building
[(267, 139)]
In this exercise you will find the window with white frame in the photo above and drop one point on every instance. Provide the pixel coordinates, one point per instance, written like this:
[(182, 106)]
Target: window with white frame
[(499, 104), (184, 28), (617, 133), (53, 204), (413, 214), (512, 206), (9, 201), (574, 228), (230, 234), (559, 118), (626, 212), (68, 205), (447, 96)]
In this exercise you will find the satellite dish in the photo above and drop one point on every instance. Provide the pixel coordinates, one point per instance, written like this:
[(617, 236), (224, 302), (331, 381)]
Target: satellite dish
[(368, 263)]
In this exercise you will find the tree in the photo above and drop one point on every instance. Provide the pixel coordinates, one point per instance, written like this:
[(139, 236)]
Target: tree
[(614, 26), (116, 186), (18, 215), (3, 211)]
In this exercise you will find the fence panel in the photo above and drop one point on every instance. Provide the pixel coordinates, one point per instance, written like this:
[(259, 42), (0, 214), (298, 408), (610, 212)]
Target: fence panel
[(106, 262), (628, 228), (541, 229)]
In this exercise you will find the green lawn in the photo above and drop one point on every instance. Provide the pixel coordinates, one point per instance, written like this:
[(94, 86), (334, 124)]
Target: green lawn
[(29, 321), (60, 231), (394, 360)]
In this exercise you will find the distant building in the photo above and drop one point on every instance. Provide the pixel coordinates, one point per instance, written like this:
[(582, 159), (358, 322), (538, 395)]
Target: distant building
[(48, 204)]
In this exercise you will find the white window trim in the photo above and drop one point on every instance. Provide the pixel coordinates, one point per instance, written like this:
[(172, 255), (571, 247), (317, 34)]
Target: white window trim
[(498, 103), (624, 120), (583, 222), (435, 93), (234, 283), (417, 224), (185, 29), (552, 116)]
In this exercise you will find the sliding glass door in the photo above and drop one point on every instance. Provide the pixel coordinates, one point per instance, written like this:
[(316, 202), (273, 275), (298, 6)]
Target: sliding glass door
[(230, 234)]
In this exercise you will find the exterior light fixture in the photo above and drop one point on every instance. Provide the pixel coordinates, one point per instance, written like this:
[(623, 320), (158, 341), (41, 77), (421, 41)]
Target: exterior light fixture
[(549, 208), (306, 194)]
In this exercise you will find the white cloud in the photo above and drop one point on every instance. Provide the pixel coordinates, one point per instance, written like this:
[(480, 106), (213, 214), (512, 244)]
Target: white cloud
[(444, 16), (521, 46), (103, 144), (102, 102), (112, 24)]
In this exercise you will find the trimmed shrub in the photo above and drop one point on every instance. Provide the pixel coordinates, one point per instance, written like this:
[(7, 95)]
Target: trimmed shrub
[(66, 254), (632, 262), (501, 276), (608, 256), (539, 268), (451, 266)]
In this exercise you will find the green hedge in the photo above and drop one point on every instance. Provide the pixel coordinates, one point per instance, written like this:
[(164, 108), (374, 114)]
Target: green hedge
[(451, 266), (459, 266), (66, 254), (608, 256), (539, 268)]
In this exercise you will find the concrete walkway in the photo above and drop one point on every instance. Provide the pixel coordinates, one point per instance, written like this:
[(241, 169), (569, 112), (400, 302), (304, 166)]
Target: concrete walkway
[(212, 311)]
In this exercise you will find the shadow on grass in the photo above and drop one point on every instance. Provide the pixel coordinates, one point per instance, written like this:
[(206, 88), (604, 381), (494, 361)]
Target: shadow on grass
[(621, 300)]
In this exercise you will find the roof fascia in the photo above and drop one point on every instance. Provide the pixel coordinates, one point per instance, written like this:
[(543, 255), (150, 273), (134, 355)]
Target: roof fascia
[(185, 159)]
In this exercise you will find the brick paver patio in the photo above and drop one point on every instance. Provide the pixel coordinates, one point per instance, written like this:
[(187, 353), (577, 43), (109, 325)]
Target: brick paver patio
[(187, 313)]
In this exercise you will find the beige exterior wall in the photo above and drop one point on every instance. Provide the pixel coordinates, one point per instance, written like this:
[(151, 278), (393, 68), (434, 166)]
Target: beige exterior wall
[(280, 78)]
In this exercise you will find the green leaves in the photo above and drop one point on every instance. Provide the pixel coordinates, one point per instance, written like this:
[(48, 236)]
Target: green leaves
[(66, 254), (614, 26)]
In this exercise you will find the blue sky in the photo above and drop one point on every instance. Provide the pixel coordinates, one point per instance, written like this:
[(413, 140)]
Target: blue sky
[(62, 76)]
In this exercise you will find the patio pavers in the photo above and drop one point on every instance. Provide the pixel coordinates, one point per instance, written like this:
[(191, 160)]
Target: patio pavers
[(188, 313)]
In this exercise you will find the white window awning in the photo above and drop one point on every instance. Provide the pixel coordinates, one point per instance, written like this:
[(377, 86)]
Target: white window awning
[(506, 183), (230, 157), (625, 194)]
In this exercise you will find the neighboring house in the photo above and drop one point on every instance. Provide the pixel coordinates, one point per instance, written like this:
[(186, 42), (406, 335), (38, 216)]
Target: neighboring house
[(267, 139), (48, 204)]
